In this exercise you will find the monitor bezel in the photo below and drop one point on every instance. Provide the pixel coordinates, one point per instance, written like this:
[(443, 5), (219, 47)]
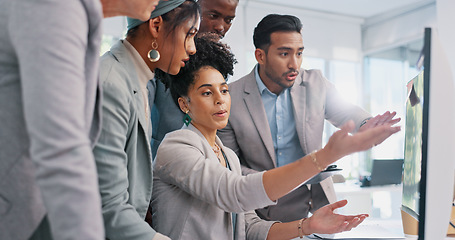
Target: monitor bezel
[(426, 107)]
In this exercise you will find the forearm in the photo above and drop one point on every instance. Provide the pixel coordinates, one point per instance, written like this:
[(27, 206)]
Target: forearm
[(287, 230), (247, 170), (280, 181), (179, 162)]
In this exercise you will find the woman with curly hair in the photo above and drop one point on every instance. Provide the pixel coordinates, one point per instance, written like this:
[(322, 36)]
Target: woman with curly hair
[(199, 192)]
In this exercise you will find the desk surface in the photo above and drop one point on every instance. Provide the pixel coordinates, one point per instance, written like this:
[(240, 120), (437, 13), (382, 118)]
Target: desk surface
[(388, 230), (353, 188), (378, 201), (371, 228)]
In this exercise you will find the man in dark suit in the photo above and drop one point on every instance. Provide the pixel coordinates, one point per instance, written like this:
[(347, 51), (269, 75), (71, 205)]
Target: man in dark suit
[(278, 112)]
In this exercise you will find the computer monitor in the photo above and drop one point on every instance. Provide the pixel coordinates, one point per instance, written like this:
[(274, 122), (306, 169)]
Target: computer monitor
[(412, 166), (429, 145)]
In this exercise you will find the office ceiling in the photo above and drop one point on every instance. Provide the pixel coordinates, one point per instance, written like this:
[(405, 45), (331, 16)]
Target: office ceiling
[(354, 8)]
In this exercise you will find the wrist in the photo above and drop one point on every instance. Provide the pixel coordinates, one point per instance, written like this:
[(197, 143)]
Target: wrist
[(364, 122), (306, 229), (302, 227), (325, 157), (317, 162)]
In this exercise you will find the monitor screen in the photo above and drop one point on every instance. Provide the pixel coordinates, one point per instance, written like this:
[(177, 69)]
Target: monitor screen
[(416, 141), (413, 146), (429, 145)]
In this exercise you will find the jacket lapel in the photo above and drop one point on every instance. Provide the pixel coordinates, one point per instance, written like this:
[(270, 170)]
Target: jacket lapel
[(253, 101), (299, 102), (120, 52), (209, 153)]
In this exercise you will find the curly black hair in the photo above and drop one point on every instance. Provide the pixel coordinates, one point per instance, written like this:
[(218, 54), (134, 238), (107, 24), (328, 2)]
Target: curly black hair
[(210, 52)]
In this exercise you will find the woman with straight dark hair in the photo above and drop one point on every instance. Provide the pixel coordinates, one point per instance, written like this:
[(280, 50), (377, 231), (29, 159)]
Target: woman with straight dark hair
[(122, 155)]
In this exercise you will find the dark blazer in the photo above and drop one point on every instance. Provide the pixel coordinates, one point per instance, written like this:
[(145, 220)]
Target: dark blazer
[(314, 100), (166, 116)]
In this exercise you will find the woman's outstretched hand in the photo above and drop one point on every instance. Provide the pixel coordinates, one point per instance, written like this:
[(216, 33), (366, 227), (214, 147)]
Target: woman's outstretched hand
[(383, 119), (342, 143), (326, 221)]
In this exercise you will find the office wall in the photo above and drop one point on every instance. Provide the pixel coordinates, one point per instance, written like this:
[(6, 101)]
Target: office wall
[(446, 18), (394, 29), (330, 36), (115, 27), (327, 36)]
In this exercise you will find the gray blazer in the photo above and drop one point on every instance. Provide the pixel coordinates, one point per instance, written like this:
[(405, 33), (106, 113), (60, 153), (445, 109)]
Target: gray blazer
[(314, 99), (194, 196), (49, 54), (122, 154)]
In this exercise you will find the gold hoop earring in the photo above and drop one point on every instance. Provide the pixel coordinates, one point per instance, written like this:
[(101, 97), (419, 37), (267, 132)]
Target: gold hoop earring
[(153, 54)]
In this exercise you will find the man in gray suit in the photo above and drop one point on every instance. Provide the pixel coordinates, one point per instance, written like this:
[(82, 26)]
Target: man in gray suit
[(48, 120), (49, 116), (278, 112)]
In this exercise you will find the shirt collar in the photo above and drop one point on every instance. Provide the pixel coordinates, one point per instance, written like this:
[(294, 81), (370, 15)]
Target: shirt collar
[(261, 85), (143, 71)]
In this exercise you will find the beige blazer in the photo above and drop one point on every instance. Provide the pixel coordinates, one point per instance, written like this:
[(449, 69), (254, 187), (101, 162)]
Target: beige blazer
[(194, 195), (248, 134)]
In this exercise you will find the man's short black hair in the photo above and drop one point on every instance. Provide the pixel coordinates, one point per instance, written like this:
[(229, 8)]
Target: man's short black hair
[(274, 23)]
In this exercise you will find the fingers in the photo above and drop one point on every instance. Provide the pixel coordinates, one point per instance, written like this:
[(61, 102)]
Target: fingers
[(377, 135), (358, 220), (341, 143), (325, 221), (394, 121), (374, 121), (384, 133), (354, 222), (351, 218), (351, 222), (338, 204), (386, 118)]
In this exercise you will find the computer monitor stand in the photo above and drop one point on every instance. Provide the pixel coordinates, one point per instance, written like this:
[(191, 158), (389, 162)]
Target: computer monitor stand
[(411, 224), (451, 231)]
